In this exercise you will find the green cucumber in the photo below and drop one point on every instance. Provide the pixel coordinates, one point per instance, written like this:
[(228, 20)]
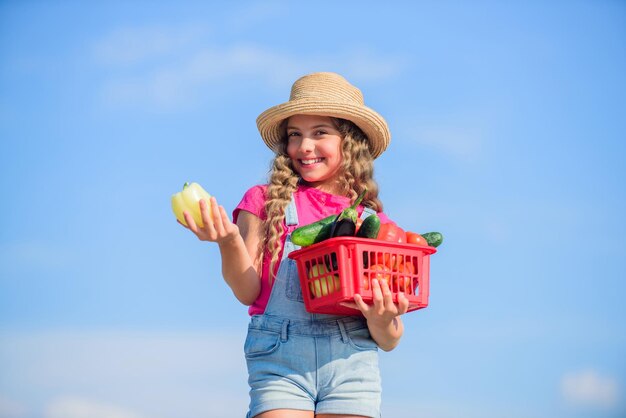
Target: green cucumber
[(370, 227), (434, 239), (313, 233)]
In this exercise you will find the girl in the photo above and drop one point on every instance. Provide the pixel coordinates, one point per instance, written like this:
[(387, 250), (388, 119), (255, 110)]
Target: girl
[(301, 364)]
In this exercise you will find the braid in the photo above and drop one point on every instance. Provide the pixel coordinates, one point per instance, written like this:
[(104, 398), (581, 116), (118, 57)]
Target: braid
[(357, 165), (282, 183)]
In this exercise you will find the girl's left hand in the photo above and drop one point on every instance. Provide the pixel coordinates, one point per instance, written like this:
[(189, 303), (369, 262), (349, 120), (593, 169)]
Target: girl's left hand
[(383, 310)]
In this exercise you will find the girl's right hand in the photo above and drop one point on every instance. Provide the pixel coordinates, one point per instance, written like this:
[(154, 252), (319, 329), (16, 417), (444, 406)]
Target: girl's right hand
[(217, 228)]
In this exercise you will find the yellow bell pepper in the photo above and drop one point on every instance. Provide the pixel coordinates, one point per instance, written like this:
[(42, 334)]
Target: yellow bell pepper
[(189, 200)]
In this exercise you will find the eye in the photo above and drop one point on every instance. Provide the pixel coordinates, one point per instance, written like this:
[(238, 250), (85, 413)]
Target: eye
[(293, 133), (320, 132)]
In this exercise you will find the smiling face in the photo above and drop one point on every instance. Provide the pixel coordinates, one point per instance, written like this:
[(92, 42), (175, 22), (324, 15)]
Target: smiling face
[(314, 147)]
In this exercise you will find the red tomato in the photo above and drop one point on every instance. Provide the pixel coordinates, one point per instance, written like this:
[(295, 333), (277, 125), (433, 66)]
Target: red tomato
[(391, 232), (415, 238), (378, 271), (402, 282), (389, 259), (406, 268)]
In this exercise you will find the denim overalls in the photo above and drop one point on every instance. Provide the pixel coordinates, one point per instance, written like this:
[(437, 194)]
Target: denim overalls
[(298, 360)]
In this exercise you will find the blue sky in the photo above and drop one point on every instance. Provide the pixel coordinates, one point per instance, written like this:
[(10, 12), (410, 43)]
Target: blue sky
[(507, 123)]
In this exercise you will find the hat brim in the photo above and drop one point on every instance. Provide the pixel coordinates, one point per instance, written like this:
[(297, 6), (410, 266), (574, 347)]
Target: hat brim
[(369, 121)]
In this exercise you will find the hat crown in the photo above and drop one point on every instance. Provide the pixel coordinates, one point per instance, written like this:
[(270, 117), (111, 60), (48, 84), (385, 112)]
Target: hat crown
[(325, 94), (329, 87)]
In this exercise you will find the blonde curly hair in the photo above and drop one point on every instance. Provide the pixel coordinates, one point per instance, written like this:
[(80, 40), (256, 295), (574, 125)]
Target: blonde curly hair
[(356, 173)]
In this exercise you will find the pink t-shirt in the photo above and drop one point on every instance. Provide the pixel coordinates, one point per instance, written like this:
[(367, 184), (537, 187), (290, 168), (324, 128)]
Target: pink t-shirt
[(312, 204)]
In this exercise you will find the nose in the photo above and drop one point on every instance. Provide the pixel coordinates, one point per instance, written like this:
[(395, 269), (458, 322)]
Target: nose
[(306, 144)]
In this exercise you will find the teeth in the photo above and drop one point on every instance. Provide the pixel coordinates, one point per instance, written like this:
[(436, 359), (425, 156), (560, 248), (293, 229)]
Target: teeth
[(312, 161)]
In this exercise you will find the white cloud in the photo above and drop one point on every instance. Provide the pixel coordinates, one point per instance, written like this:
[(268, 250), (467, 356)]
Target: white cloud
[(171, 85), (75, 407), (135, 45), (38, 254), (168, 68), (113, 354), (463, 143), (121, 374), (496, 230), (590, 388), (420, 406), (256, 13), (10, 408)]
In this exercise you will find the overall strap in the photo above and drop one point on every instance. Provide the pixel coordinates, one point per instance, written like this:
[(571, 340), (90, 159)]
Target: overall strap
[(291, 212), (367, 212), (291, 219)]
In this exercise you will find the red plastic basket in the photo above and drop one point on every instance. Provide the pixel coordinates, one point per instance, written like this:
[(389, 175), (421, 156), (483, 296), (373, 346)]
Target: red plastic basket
[(333, 270)]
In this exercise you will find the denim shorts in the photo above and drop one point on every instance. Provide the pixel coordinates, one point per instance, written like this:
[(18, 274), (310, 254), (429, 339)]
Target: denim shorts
[(326, 366)]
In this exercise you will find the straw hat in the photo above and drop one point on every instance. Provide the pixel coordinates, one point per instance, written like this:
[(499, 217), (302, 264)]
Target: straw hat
[(325, 94)]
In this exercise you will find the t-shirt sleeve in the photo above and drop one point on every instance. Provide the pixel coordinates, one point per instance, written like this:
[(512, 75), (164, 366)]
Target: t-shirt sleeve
[(253, 201)]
